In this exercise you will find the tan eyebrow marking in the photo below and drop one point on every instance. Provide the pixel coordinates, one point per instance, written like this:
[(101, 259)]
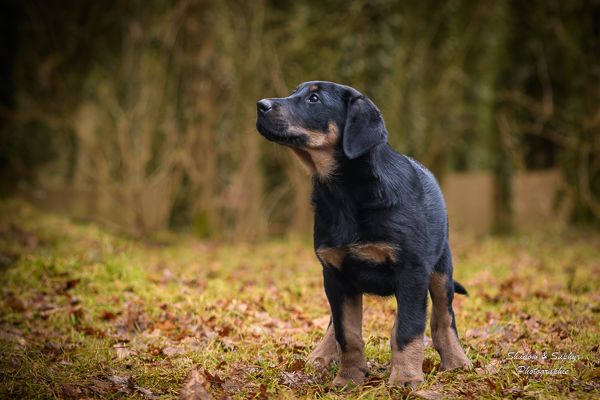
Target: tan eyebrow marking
[(312, 88)]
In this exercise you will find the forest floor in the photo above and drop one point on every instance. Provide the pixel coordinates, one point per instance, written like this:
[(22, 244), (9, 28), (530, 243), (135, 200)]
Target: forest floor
[(89, 314)]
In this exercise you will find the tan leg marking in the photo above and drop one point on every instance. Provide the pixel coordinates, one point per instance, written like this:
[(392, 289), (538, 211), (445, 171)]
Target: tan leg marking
[(407, 364), (318, 156), (326, 352), (445, 340), (353, 366), (377, 253), (333, 256)]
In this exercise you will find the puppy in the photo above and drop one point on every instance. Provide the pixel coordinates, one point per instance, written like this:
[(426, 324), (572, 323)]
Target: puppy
[(380, 228)]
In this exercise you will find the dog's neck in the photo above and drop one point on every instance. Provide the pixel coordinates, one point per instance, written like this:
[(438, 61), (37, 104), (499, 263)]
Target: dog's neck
[(370, 176)]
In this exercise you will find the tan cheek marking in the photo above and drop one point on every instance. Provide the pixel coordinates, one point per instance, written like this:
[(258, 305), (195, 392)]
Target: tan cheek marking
[(444, 337), (333, 256), (318, 157), (377, 253)]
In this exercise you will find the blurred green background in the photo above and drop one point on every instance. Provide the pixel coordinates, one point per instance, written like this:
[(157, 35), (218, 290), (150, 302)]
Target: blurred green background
[(140, 114)]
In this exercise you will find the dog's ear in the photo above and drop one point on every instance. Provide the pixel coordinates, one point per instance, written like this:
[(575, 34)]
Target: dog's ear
[(364, 127)]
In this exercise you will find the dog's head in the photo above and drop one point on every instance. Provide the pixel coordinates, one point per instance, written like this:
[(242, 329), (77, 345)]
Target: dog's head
[(321, 121)]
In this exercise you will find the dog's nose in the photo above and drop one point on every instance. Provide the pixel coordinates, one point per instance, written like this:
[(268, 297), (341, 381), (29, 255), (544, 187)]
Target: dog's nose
[(264, 105)]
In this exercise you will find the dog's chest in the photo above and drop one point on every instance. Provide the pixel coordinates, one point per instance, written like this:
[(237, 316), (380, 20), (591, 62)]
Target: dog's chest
[(339, 221)]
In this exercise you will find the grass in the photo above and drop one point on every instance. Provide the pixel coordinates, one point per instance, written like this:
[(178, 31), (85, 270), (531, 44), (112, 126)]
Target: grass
[(85, 313)]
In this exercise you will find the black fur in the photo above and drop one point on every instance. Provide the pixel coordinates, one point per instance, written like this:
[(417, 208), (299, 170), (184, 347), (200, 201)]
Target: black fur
[(460, 289), (374, 195)]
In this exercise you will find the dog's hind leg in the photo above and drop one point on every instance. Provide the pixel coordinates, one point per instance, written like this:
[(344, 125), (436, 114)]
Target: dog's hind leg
[(408, 332), (443, 323), (327, 350)]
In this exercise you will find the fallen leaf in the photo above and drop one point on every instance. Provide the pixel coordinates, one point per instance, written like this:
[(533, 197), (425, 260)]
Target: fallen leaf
[(194, 387), (213, 379), (233, 385), (427, 394), (127, 385), (13, 337), (165, 325), (70, 284), (71, 391), (15, 303), (172, 351), (123, 352), (90, 331), (108, 316), (294, 379), (297, 365), (428, 365)]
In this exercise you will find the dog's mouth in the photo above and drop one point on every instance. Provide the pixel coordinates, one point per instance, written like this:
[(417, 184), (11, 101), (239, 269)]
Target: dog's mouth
[(279, 133)]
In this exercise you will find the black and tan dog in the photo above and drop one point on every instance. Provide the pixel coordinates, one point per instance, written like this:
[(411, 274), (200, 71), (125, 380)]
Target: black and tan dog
[(380, 228)]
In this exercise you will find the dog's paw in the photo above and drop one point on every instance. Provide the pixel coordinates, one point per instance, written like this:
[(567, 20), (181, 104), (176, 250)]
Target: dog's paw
[(350, 376), (325, 354), (322, 361), (454, 358), (401, 379), (456, 362)]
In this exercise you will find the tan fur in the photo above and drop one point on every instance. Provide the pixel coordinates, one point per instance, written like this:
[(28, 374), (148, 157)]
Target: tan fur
[(445, 340), (326, 352), (313, 88), (378, 253), (332, 255), (318, 156), (407, 364), (353, 366)]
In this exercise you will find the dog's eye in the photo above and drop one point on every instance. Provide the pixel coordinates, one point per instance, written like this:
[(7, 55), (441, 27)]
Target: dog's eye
[(313, 98)]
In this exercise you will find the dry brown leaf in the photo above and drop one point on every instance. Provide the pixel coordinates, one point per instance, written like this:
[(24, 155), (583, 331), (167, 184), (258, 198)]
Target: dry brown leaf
[(13, 337), (297, 365), (428, 365), (123, 352), (127, 385), (172, 351), (71, 391), (70, 284), (427, 394), (194, 387), (15, 303), (108, 316)]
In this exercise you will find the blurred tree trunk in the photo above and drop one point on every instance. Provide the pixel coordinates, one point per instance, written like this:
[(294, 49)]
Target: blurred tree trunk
[(245, 193), (502, 169), (574, 26), (499, 126), (11, 164)]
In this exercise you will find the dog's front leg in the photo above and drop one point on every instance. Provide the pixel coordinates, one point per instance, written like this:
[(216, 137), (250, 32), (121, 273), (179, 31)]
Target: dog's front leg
[(346, 312)]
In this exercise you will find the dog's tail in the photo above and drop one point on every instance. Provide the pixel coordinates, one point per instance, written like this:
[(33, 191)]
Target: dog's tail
[(460, 289)]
